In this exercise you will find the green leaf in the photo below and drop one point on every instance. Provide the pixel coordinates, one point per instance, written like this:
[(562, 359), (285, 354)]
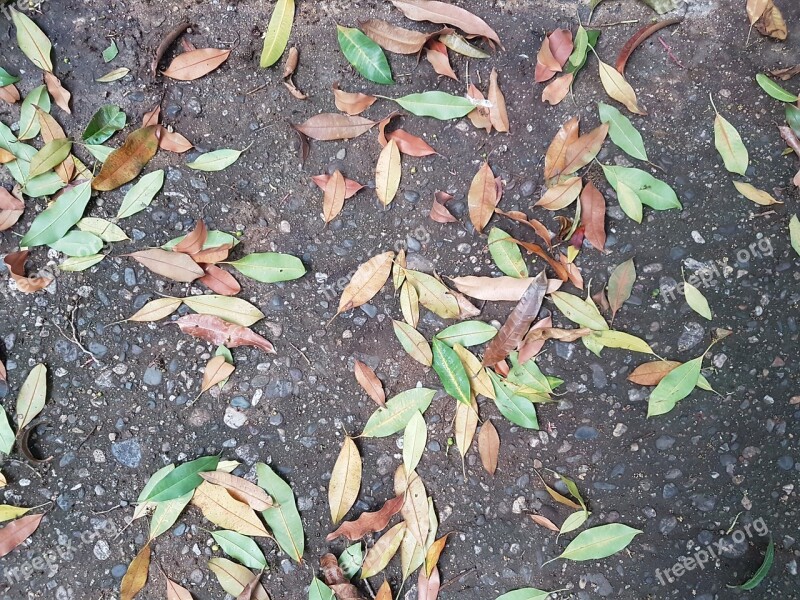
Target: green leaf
[(622, 131), (78, 243), (45, 184), (277, 36), (451, 371), (241, 548), (398, 412), (794, 233), (319, 591), (141, 195), (525, 594), (105, 230), (413, 342), (678, 384), (106, 122), (730, 146), (350, 560), (467, 333), (439, 105), (230, 309), (51, 225), (215, 238), (99, 152), (775, 90), (49, 157), (696, 300), (32, 41), (8, 141), (651, 192), (181, 480), (580, 50), (629, 201), (29, 126), (114, 75), (579, 311), (599, 542), (7, 78), (506, 254), (111, 52), (283, 519), (620, 339), (660, 6), (516, 409), (415, 437), (216, 160), (365, 55), (269, 267), (793, 118), (233, 577), (166, 513), (762, 572), (529, 375), (574, 521), (80, 263), (7, 436)]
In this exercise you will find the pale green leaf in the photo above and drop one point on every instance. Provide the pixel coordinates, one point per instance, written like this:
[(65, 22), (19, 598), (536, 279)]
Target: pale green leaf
[(457, 43), (99, 152), (216, 160), (74, 264), (32, 41), (413, 342), (651, 192), (111, 52), (350, 560), (8, 512), (525, 594), (622, 131), (579, 311), (415, 437), (241, 548), (29, 126), (278, 31), (269, 267), (599, 542), (166, 513), (506, 254), (365, 55), (794, 233), (7, 78), (697, 301), (573, 522), (114, 75), (775, 90), (59, 217), (141, 195), (620, 339), (439, 105), (319, 591), (467, 333), (398, 412), (49, 157), (32, 396), (45, 184), (730, 146), (78, 243), (105, 230), (678, 384), (283, 519)]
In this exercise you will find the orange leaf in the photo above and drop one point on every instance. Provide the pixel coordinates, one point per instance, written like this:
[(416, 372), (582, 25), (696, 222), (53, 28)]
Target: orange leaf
[(544, 522), (531, 347), (497, 110), (556, 91), (351, 103), (172, 141), (369, 522), (583, 150), (593, 215), (433, 554), (561, 195), (651, 373), (409, 144), (219, 281), (9, 93), (333, 200), (560, 42), (241, 489), (16, 532), (439, 212), (556, 157), (369, 381), (351, 187), (194, 240), (213, 255), (60, 95), (480, 116), (440, 61), (482, 198), (221, 333), (333, 126), (447, 14), (15, 261), (195, 64), (489, 446), (11, 209), (126, 162)]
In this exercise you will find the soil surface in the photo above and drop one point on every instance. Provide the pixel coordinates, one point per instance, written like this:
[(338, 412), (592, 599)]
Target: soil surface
[(694, 478)]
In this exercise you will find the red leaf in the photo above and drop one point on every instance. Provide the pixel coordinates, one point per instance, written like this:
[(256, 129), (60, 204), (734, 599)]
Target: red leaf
[(220, 281), (439, 212), (593, 215), (15, 261), (221, 333), (369, 522), (193, 242), (16, 532)]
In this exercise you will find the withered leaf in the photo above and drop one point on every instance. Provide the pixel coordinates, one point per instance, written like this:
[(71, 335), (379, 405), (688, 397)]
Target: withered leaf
[(194, 240), (9, 93), (352, 103), (351, 187), (556, 157), (544, 522), (531, 347), (15, 261), (620, 284), (11, 209), (428, 585), (497, 111), (126, 162), (176, 591), (593, 215), (222, 509), (583, 150), (561, 45), (217, 370), (447, 14), (439, 211), (557, 90), (480, 116), (369, 381), (221, 333), (196, 63), (60, 95), (504, 288), (333, 198), (212, 255), (366, 282), (369, 522), (220, 281), (240, 488), (16, 532), (489, 446), (651, 373), (336, 579), (537, 226), (636, 40), (392, 38), (292, 60), (387, 173), (136, 575), (561, 195), (437, 55), (772, 23), (483, 197), (174, 265), (333, 126)]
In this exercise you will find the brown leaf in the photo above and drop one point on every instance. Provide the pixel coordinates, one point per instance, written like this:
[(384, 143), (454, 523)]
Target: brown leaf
[(385, 592), (497, 111), (240, 488), (333, 126), (335, 579), (351, 187), (554, 333), (756, 8), (546, 63), (447, 14), (415, 507), (620, 284), (217, 370), (488, 446), (440, 61), (352, 103), (253, 587), (369, 522), (787, 73), (428, 586), (196, 63), (530, 348), (518, 322), (294, 90), (651, 373), (536, 249), (213, 255), (219, 281), (509, 289), (409, 144), (136, 575), (482, 198), (466, 309), (194, 240), (556, 157), (176, 591), (369, 381), (366, 282), (573, 272), (439, 211), (480, 116), (6, 156), (772, 23), (392, 38), (60, 95), (537, 226), (292, 60), (601, 299), (556, 91), (126, 162), (173, 265), (11, 209), (593, 215), (172, 141), (560, 45), (152, 117), (544, 522), (16, 532), (15, 261), (583, 150), (221, 333), (561, 195), (222, 509), (333, 198), (636, 40), (3, 378), (10, 94)]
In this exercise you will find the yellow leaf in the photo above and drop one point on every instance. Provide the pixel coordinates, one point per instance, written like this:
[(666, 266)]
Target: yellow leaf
[(756, 195), (8, 512), (222, 509), (618, 88), (345, 481), (387, 173), (277, 36), (620, 339), (366, 282), (382, 552), (465, 425), (136, 575), (415, 507)]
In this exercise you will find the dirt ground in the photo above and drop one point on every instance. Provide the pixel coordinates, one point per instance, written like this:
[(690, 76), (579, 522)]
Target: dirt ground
[(683, 478)]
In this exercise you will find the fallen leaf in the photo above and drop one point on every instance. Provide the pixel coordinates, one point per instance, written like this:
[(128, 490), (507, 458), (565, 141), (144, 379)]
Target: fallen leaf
[(350, 102), (196, 63), (385, 592), (339, 583), (219, 281), (466, 419), (31, 397), (15, 261), (194, 241), (439, 211), (333, 198), (333, 126), (387, 173), (409, 144), (220, 333), (367, 281), (482, 197), (593, 215), (620, 285), (479, 116), (369, 381), (345, 481), (364, 55), (125, 163), (394, 39), (561, 195), (16, 532), (415, 508), (618, 88), (369, 522), (9, 93), (556, 91), (640, 36), (730, 146), (488, 446), (11, 209), (696, 300), (234, 578), (651, 373), (222, 509), (60, 95), (136, 576), (497, 111), (173, 265), (32, 41), (436, 104), (508, 289), (772, 23), (555, 159), (436, 54), (756, 195), (428, 585), (217, 369), (546, 64), (278, 31), (113, 75), (447, 14), (584, 149), (351, 187), (176, 591), (241, 489), (599, 542), (413, 342), (561, 45), (172, 141)]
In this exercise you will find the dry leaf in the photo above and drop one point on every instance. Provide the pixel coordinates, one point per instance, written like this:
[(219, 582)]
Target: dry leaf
[(636, 40), (219, 281), (433, 554), (369, 381), (352, 103), (392, 38), (382, 552), (351, 187), (489, 446), (369, 522), (221, 333), (11, 209), (345, 481), (16, 532), (483, 197), (583, 150), (60, 95), (428, 585), (447, 14), (561, 195), (333, 198), (387, 173), (480, 116), (651, 373), (292, 60), (561, 45), (439, 211), (136, 575), (440, 61), (556, 91), (772, 23), (545, 333), (240, 489), (294, 90), (333, 126), (336, 580), (531, 347), (509, 289), (125, 163), (194, 241), (10, 94), (172, 141), (618, 88), (213, 255), (556, 157), (593, 215), (497, 111), (174, 265), (415, 507), (466, 419), (15, 261), (367, 281), (544, 522), (409, 144), (176, 591), (546, 63), (217, 370), (756, 8), (195, 64), (222, 509), (385, 592)]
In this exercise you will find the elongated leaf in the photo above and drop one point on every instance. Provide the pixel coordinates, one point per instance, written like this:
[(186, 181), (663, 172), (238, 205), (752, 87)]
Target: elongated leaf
[(584, 149), (32, 41), (233, 578), (368, 380), (184, 478), (620, 285), (394, 39), (478, 378), (696, 300), (489, 446), (241, 548), (457, 43), (579, 311), (599, 542), (213, 240), (7, 437), (439, 105), (278, 31), (618, 88), (467, 333), (49, 157), (387, 173), (221, 333), (8, 512), (78, 244), (447, 14), (105, 230), (155, 310), (756, 195), (573, 522), (451, 371), (775, 90), (125, 163), (345, 481), (16, 532), (283, 519), (195, 64), (80, 263), (622, 131), (730, 146), (482, 197), (166, 514), (54, 222), (506, 254), (136, 576), (233, 310), (32, 396), (415, 437), (678, 384), (29, 125), (113, 75), (763, 570), (106, 121), (525, 594), (620, 339), (413, 342), (7, 78), (350, 560), (174, 265), (319, 591), (794, 233), (399, 410), (334, 126), (365, 55), (516, 409), (269, 267), (216, 160), (239, 488), (141, 195), (563, 194), (651, 192), (367, 281), (369, 522), (382, 552)]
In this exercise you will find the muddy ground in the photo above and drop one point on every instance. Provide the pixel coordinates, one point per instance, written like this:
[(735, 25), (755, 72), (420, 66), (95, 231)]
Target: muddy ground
[(682, 478)]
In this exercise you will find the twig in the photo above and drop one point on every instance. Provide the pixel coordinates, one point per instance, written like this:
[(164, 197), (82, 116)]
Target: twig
[(74, 336), (669, 52), (105, 512), (615, 23), (455, 578), (301, 353), (256, 89)]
